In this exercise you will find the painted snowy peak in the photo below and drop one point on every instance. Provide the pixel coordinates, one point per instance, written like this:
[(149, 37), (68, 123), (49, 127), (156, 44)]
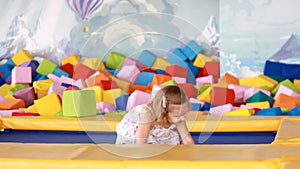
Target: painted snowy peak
[(290, 50), (212, 36)]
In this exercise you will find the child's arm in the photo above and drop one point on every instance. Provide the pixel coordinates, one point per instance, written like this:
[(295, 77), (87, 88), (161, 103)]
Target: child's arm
[(184, 132), (143, 133)]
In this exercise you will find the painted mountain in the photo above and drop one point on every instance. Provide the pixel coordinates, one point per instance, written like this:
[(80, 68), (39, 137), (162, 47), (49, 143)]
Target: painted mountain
[(290, 50)]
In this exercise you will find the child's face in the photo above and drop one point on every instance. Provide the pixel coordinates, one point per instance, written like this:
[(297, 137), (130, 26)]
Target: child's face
[(176, 112)]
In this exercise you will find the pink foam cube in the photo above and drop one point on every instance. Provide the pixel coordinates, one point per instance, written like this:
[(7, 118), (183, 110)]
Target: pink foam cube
[(179, 79), (137, 98), (285, 90), (21, 75), (251, 107), (106, 107), (57, 88), (80, 83), (27, 94), (220, 110), (239, 91), (53, 77), (190, 90), (66, 80), (205, 79), (128, 73), (129, 61), (8, 113), (251, 91)]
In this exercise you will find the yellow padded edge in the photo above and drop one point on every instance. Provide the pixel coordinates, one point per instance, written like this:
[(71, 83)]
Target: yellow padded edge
[(108, 123)]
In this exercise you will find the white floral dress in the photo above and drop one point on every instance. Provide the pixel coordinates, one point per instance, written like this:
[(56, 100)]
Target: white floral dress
[(127, 128)]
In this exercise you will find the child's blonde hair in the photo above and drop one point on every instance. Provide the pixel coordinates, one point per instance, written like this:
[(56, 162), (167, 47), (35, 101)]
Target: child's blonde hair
[(167, 95)]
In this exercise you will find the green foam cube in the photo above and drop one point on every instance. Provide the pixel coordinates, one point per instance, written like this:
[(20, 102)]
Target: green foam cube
[(288, 84), (46, 67), (79, 103), (115, 60)]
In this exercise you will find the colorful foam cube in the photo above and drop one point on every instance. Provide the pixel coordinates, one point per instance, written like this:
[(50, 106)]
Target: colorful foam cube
[(46, 109), (33, 64), (263, 80), (213, 68), (206, 106), (252, 90), (115, 60), (155, 89), (98, 92), (170, 82), (220, 110), (53, 77), (291, 71), (201, 59), (160, 63), (179, 79), (21, 75), (46, 67), (21, 57), (179, 54), (263, 104), (66, 80), (248, 81), (221, 96), (41, 87), (176, 70), (68, 68), (205, 96), (111, 95), (130, 61), (15, 88), (239, 92), (27, 94), (57, 88), (106, 107), (229, 79), (137, 98), (144, 78), (72, 59), (297, 83), (190, 90), (160, 78), (5, 70), (94, 63), (107, 84), (260, 97), (95, 79), (128, 73), (79, 103), (147, 58), (240, 112), (58, 72), (80, 83), (275, 111), (191, 49), (288, 84), (11, 104), (285, 101), (122, 84), (285, 90), (193, 69), (82, 72), (273, 68), (195, 105), (204, 80), (133, 87), (121, 102)]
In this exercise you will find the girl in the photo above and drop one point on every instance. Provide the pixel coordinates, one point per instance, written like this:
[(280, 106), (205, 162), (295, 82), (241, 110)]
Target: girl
[(161, 121)]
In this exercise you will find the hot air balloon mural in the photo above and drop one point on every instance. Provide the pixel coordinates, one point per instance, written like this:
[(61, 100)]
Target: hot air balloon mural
[(84, 9)]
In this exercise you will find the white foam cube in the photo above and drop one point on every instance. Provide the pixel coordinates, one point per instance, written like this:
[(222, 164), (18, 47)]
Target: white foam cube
[(128, 73), (285, 90), (220, 110), (106, 107), (205, 79)]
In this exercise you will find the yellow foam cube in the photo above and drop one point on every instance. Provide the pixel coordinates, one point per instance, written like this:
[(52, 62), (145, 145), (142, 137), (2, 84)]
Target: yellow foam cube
[(48, 105), (32, 109), (21, 57), (263, 80), (110, 95), (72, 59), (160, 63), (264, 104), (94, 63), (201, 59), (205, 96), (4, 89), (98, 92), (9, 96), (240, 112), (297, 83), (122, 84), (41, 87), (249, 81)]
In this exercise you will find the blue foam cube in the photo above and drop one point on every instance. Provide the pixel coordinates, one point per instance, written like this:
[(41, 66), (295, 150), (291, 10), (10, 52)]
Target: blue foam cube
[(121, 102), (6, 71), (206, 106), (273, 68), (179, 53), (191, 49), (1, 81), (59, 73), (147, 58), (160, 71), (144, 78), (175, 59), (274, 111), (291, 71), (195, 106), (294, 111)]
